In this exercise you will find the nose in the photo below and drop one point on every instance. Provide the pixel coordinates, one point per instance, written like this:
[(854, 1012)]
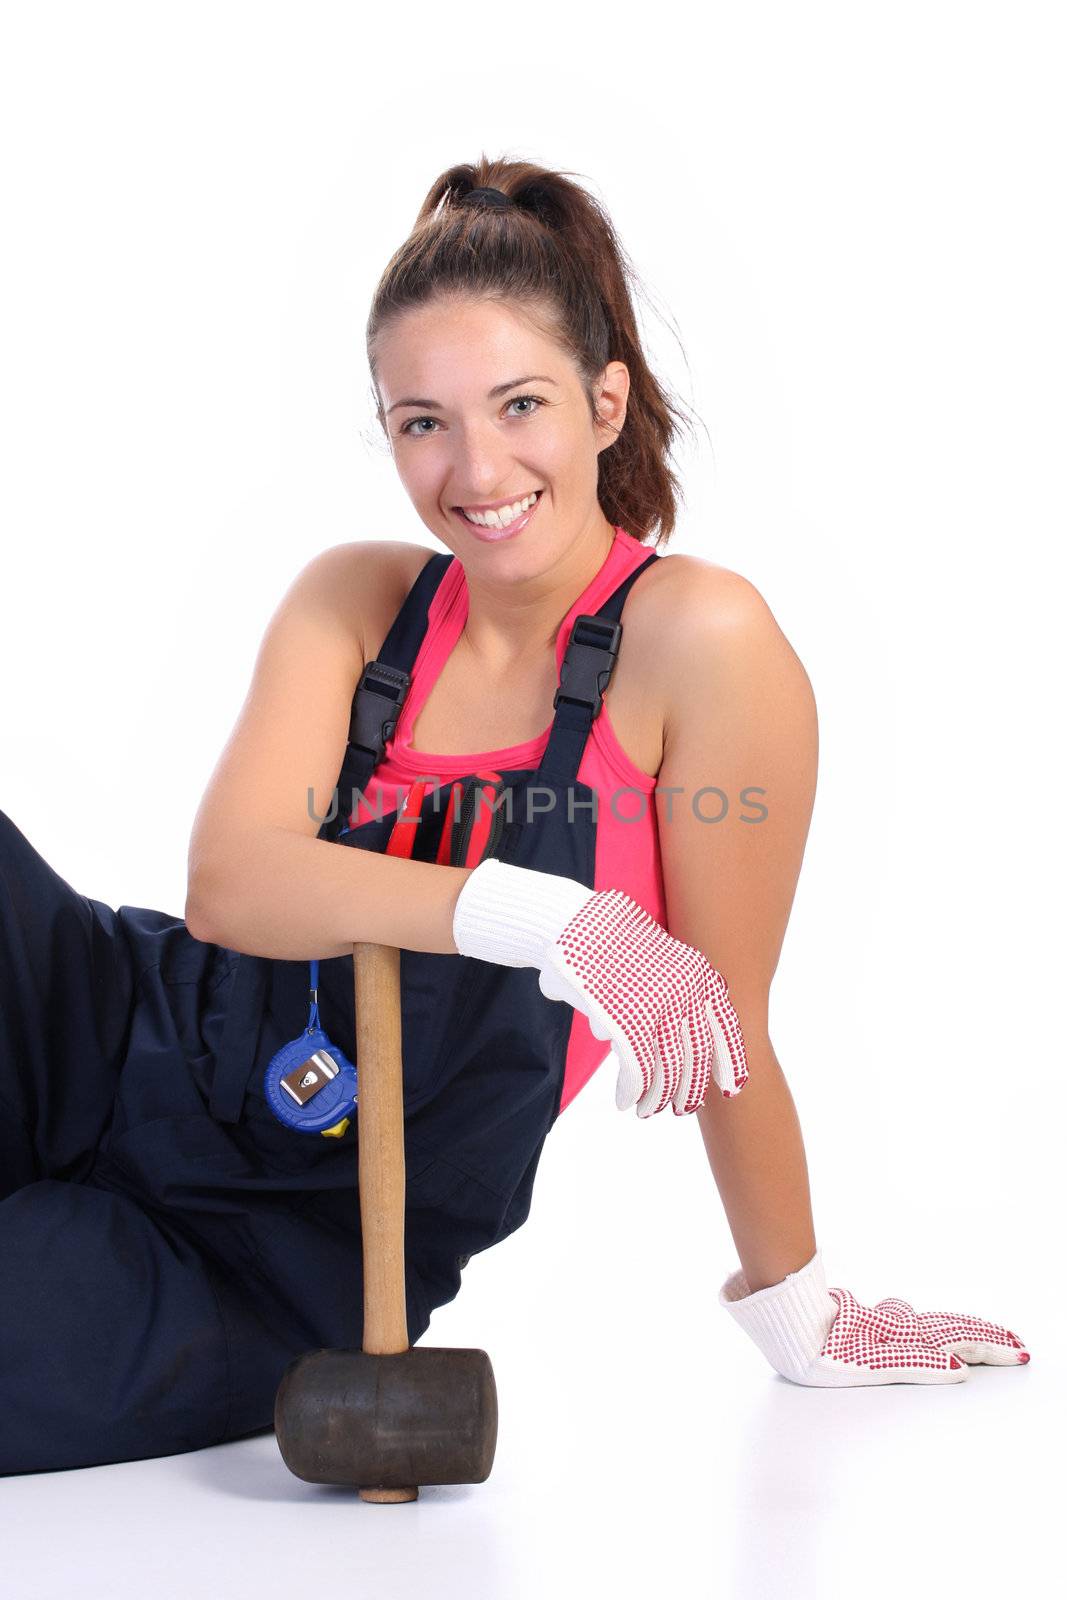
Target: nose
[(482, 468)]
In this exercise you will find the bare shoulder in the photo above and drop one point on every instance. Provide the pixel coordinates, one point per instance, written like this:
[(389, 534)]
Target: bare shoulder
[(388, 569), (374, 561), (713, 625), (361, 565), (397, 560), (702, 595), (362, 584), (717, 613)]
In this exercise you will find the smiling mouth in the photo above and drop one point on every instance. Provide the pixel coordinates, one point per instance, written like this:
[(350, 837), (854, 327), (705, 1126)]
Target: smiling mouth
[(492, 518)]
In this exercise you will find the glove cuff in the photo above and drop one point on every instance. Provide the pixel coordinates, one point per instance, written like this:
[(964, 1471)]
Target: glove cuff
[(513, 915), (788, 1321)]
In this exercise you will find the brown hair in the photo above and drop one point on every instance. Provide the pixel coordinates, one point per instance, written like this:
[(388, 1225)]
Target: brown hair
[(554, 251)]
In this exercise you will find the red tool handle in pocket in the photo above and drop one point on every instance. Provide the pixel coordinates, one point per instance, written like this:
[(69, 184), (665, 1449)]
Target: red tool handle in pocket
[(402, 839), (473, 820)]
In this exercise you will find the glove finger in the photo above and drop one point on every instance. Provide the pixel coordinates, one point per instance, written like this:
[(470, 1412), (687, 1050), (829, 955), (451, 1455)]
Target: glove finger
[(882, 1362), (552, 986), (729, 1066), (978, 1353), (555, 984), (693, 1083), (671, 1067), (655, 1096), (979, 1343), (636, 1075)]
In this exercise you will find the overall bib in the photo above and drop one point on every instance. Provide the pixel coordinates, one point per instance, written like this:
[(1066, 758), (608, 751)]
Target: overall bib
[(167, 1246)]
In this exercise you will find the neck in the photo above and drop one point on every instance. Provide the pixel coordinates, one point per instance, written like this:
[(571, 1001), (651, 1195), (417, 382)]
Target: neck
[(509, 623)]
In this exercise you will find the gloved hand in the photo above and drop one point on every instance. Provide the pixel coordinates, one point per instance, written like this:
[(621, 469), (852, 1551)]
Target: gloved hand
[(664, 1008), (825, 1339)]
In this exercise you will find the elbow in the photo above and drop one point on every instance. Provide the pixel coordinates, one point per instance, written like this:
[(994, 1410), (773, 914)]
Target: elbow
[(196, 917), (203, 905)]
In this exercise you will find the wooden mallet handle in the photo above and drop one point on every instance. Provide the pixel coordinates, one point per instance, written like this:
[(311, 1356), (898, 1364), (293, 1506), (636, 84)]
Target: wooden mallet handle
[(380, 1119)]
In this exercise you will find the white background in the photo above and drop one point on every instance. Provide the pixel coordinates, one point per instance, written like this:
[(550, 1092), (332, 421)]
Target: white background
[(850, 219)]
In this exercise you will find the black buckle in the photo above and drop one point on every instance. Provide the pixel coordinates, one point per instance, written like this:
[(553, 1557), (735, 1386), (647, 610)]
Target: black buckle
[(584, 677), (379, 699)]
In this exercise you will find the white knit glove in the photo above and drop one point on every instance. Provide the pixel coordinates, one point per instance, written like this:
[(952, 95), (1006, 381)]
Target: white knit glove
[(825, 1339), (664, 1008)]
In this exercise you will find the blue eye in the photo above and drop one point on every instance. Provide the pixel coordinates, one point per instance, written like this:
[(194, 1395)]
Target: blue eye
[(409, 427)]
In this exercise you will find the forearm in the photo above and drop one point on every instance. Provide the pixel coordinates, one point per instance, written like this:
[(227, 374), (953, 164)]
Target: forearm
[(293, 898), (756, 1152)]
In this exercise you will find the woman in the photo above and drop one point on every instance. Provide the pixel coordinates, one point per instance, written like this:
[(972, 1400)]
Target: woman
[(169, 1244)]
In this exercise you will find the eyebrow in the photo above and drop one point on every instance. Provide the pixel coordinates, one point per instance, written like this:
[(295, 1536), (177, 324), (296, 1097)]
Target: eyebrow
[(499, 389)]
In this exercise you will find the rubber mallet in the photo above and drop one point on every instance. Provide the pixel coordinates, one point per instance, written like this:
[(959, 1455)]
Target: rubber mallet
[(387, 1418)]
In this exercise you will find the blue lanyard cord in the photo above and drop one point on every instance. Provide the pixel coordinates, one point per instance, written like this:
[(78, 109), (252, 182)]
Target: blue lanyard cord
[(313, 1014)]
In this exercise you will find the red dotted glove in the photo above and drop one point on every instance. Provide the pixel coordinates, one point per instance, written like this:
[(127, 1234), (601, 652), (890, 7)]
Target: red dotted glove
[(825, 1338), (662, 1005)]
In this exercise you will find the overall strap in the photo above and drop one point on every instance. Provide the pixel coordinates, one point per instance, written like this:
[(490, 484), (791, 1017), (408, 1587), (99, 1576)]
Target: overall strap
[(592, 651), (382, 689)]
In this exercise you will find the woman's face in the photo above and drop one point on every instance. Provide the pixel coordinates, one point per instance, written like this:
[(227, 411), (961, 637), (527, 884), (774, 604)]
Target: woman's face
[(480, 408)]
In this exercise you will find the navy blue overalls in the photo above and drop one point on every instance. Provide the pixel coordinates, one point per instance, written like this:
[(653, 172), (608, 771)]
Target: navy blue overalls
[(167, 1246)]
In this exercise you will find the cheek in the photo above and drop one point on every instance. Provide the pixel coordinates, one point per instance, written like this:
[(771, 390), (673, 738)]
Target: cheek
[(556, 459), (416, 474)]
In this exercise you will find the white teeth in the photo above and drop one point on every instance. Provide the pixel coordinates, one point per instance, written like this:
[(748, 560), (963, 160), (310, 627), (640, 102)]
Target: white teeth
[(500, 518)]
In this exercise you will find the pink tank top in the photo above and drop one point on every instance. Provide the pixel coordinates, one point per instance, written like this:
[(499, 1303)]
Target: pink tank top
[(627, 839)]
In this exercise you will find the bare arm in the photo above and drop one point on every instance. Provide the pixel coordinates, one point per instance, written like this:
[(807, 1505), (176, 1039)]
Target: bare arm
[(742, 714), (259, 881), (298, 899)]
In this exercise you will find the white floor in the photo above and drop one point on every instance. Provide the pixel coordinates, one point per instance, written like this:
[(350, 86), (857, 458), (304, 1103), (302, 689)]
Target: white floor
[(617, 1473), (645, 1447)]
